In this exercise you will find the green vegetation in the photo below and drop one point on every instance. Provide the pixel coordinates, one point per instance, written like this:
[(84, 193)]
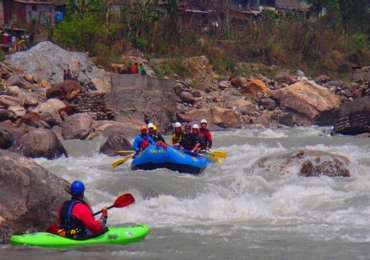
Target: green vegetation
[(332, 43)]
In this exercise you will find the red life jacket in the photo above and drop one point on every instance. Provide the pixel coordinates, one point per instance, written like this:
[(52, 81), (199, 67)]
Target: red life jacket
[(144, 144)]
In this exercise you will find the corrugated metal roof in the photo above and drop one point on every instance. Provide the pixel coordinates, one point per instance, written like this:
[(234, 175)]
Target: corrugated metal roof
[(35, 2), (292, 5)]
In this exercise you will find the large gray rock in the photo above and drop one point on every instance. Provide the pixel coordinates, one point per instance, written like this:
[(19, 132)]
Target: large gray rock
[(142, 98), (114, 143), (48, 61), (306, 163), (29, 195), (354, 117), (39, 143), (77, 126)]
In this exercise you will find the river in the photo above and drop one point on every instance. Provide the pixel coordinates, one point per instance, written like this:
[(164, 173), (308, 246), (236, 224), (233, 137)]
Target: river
[(232, 211)]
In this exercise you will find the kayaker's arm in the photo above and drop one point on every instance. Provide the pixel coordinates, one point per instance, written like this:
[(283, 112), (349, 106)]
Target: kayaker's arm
[(84, 214)]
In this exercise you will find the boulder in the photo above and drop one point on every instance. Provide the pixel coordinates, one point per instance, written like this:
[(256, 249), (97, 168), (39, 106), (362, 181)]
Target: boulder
[(239, 104), (251, 87), (268, 103), (39, 143), (6, 114), (285, 77), (114, 143), (306, 163), (222, 117), (68, 90), (77, 126), (187, 97), (30, 195), (127, 127), (354, 117), (26, 98), (224, 84), (322, 79), (8, 101), (362, 74), (6, 138), (45, 84), (101, 86), (49, 111), (32, 119), (19, 111), (307, 98)]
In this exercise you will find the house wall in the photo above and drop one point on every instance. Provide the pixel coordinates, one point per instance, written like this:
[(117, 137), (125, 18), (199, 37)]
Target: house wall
[(43, 14), (292, 4)]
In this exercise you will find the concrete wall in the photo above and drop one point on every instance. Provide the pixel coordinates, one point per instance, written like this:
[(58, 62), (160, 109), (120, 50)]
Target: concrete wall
[(42, 14)]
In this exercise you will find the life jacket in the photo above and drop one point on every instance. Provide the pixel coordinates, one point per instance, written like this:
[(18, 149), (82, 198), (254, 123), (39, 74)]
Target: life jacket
[(177, 138), (72, 227), (205, 139), (189, 141), (144, 144)]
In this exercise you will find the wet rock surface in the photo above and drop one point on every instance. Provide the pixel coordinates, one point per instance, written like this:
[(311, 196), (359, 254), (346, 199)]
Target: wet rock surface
[(29, 195), (306, 163)]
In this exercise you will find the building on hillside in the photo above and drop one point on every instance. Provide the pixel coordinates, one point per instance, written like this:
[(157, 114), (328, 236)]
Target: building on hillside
[(292, 5), (19, 13)]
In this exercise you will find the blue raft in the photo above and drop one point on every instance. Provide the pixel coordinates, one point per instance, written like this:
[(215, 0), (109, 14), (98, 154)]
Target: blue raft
[(154, 157)]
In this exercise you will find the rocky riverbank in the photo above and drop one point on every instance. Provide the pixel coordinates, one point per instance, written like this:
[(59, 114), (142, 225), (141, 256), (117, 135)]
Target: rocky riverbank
[(48, 91)]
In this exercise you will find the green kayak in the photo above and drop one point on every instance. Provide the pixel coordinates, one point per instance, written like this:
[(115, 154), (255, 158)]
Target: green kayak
[(114, 235)]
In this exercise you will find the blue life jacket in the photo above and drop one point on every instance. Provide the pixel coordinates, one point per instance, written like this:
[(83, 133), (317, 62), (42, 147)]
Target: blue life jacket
[(139, 139)]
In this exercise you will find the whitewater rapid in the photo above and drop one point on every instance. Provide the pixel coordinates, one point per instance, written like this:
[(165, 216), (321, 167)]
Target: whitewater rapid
[(236, 210)]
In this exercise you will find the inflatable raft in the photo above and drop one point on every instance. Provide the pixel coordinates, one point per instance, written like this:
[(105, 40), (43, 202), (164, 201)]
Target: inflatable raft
[(154, 157), (114, 235)]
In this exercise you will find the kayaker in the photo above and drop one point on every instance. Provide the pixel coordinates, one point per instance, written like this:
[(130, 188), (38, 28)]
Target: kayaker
[(142, 140), (153, 133), (177, 134), (190, 141), (76, 219), (205, 135)]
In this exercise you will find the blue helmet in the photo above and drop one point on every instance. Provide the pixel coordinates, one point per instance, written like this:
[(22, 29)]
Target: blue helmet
[(77, 188)]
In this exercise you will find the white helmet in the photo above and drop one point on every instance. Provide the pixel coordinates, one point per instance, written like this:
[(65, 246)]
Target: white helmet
[(150, 125), (178, 124), (203, 121), (195, 126)]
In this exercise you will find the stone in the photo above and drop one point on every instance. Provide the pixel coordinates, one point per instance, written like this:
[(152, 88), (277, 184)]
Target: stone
[(6, 114), (29, 78), (6, 138), (114, 143), (224, 84), (268, 103), (51, 105), (362, 74), (251, 87), (322, 79), (45, 84), (307, 98), (77, 126), (29, 195), (187, 97), (68, 90), (7, 101), (39, 143), (101, 86), (353, 117), (26, 98), (222, 117), (127, 127), (284, 77), (17, 110), (306, 163)]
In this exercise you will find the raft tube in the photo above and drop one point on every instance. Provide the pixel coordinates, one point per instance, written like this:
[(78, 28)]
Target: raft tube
[(154, 157), (114, 235)]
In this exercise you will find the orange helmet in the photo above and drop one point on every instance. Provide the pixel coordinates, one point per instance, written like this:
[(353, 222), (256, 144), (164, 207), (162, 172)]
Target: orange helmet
[(143, 128)]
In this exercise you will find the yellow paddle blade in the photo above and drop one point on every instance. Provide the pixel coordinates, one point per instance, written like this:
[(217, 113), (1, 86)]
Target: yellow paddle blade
[(119, 162), (218, 154), (125, 152)]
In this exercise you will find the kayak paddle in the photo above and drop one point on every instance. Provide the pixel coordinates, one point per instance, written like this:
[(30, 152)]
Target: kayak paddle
[(218, 154), (119, 162), (121, 201), (125, 152)]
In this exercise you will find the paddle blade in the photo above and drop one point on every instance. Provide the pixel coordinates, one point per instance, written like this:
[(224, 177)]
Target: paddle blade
[(124, 200), (119, 162), (125, 152), (219, 154)]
